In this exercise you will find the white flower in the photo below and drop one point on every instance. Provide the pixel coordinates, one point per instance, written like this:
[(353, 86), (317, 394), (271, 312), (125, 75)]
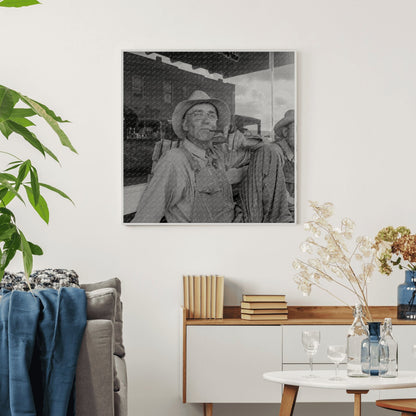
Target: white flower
[(348, 224), (296, 264), (305, 247)]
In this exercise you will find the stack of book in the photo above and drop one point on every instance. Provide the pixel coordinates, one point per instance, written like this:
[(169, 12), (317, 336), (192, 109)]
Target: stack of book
[(264, 307), (203, 296)]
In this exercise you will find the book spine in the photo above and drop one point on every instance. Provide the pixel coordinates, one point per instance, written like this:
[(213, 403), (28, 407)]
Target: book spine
[(186, 294), (214, 297), (209, 301), (203, 297), (220, 297), (191, 296), (197, 297)]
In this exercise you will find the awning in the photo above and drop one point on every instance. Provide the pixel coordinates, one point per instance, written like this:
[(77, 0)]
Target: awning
[(230, 64)]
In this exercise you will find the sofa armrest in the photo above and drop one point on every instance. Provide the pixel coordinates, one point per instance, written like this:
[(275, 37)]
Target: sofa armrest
[(120, 396), (94, 386)]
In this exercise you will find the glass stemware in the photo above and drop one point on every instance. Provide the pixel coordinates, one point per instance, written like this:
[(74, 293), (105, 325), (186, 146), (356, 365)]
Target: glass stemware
[(310, 342), (337, 354)]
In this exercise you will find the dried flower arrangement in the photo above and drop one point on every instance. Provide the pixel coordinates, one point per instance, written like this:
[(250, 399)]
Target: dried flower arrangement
[(394, 245), (335, 258)]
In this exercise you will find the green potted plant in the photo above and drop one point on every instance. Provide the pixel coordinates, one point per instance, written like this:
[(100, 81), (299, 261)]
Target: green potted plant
[(19, 179)]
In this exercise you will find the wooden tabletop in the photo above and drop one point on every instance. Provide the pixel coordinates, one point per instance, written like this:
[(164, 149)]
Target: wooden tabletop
[(405, 379), (306, 315)]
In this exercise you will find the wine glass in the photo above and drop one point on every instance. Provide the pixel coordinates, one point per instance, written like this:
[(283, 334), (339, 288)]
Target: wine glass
[(337, 354), (310, 342)]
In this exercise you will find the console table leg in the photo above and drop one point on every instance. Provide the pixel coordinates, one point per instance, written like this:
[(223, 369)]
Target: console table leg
[(288, 400), (207, 409), (357, 400)]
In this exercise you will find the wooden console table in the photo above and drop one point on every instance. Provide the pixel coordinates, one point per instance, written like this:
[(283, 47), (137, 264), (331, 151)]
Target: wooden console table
[(224, 359)]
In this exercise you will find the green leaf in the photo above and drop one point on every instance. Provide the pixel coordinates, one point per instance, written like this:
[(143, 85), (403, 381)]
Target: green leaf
[(18, 3), (27, 254), (13, 242), (7, 102), (15, 162), (51, 188), (23, 171), (9, 169), (3, 192), (6, 231), (22, 112), (27, 135), (36, 250), (6, 131), (7, 212), (10, 248), (41, 207), (51, 118), (22, 121), (11, 193), (5, 219), (51, 113), (34, 183), (7, 177), (50, 153), (6, 258)]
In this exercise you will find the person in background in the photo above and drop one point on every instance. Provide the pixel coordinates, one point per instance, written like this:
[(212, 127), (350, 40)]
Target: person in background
[(192, 183), (284, 131)]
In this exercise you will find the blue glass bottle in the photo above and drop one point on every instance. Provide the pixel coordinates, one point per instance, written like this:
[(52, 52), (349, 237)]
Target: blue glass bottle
[(406, 302), (370, 354)]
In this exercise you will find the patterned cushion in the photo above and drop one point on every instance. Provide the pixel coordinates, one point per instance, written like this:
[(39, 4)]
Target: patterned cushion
[(40, 279)]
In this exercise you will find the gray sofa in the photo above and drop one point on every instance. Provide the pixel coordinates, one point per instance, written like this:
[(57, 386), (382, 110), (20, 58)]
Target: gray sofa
[(101, 378)]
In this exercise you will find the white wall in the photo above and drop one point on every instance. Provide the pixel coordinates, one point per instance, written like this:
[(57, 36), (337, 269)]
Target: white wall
[(356, 138)]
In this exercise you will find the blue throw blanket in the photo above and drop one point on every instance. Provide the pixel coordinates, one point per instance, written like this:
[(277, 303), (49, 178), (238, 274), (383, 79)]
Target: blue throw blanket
[(40, 338)]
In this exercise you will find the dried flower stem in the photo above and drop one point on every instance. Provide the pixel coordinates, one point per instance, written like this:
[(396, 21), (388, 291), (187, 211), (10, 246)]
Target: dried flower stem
[(363, 297), (328, 276), (334, 262)]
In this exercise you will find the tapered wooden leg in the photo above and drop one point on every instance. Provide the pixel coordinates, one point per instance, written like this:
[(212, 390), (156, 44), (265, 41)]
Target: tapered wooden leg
[(207, 409), (408, 414), (357, 400), (288, 400)]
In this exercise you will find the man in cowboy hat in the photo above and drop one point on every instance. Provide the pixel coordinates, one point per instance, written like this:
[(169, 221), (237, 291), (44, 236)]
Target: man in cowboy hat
[(189, 183), (192, 183), (285, 138)]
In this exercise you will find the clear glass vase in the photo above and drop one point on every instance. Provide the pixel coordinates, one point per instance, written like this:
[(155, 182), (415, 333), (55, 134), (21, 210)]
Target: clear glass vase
[(357, 335), (406, 292)]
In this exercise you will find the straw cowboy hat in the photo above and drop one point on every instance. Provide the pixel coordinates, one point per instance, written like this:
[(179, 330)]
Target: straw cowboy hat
[(199, 97), (284, 122)]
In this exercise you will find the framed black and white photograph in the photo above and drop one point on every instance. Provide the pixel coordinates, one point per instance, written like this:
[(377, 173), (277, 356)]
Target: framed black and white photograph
[(209, 137)]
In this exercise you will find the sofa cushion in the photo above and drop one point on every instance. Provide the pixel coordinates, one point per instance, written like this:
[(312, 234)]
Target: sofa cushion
[(118, 317), (101, 304)]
